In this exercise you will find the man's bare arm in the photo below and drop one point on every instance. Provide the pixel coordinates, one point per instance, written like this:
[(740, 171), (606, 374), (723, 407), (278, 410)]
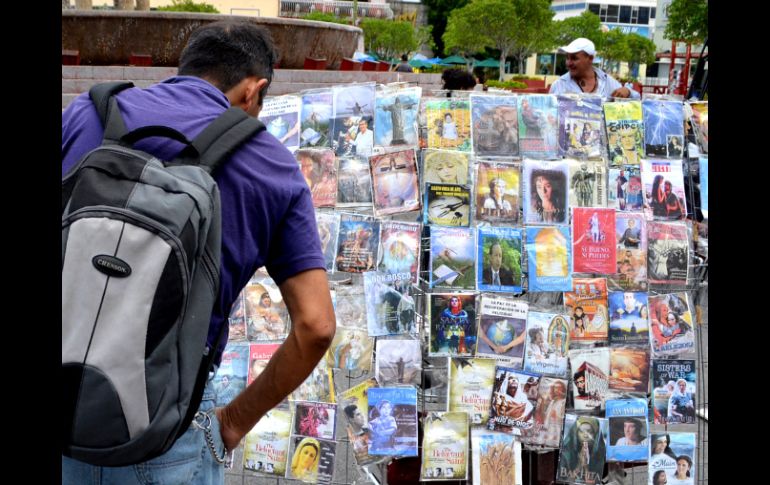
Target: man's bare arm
[(313, 325)]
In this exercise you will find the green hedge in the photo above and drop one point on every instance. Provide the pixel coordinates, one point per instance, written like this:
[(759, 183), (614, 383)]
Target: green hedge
[(506, 84)]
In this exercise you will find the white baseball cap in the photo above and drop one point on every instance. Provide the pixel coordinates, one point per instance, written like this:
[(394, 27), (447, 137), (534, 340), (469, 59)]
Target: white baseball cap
[(579, 44)]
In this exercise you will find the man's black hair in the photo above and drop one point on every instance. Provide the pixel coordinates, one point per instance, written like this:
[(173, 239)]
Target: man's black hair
[(227, 52), (403, 57), (455, 79)]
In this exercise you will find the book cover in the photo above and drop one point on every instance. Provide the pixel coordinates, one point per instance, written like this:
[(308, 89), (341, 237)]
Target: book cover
[(671, 326), (389, 304), (445, 446), (502, 329), (549, 255), (445, 166), (545, 192), (494, 125), (452, 258), (547, 344), (664, 136), (588, 183), (667, 253), (590, 377), (673, 392), (267, 317), (354, 182), (538, 126), (281, 114), (399, 248), (629, 317), (498, 259), (627, 421), (583, 450), (328, 232), (514, 395), (319, 167), (315, 122), (315, 419), (354, 405), (452, 324), (395, 184), (663, 183), (625, 132), (358, 245), (497, 192), (398, 362), (672, 459), (587, 307), (496, 458), (581, 133), (396, 115), (593, 240), (629, 370), (631, 251), (549, 414), (230, 378), (447, 205), (470, 382), (266, 448), (312, 459), (353, 122), (449, 123), (393, 421)]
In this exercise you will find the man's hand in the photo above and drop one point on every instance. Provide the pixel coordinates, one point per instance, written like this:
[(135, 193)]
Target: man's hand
[(230, 436), (621, 92)]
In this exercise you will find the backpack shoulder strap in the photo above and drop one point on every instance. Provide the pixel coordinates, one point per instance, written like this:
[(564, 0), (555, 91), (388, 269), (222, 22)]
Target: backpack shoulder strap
[(218, 140), (107, 107)]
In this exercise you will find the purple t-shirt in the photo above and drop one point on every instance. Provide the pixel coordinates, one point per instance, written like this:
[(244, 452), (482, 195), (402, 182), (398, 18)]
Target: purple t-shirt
[(267, 211)]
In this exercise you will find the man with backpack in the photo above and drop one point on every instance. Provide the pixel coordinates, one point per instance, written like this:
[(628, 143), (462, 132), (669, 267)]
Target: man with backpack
[(267, 219)]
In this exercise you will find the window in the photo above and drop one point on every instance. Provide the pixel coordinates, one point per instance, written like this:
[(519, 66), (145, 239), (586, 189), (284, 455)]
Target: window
[(652, 13), (644, 15), (634, 15), (612, 13), (603, 12), (593, 8), (625, 14)]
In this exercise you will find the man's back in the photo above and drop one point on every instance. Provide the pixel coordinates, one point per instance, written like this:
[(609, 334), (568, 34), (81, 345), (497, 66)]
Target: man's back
[(260, 184)]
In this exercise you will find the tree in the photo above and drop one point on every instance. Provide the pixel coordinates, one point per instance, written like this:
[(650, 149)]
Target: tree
[(465, 33), (438, 16), (189, 6), (614, 48), (586, 25), (534, 29), (389, 39), (687, 21), (641, 50)]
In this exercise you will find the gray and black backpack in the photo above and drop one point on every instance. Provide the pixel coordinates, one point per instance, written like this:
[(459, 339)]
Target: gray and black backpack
[(140, 277)]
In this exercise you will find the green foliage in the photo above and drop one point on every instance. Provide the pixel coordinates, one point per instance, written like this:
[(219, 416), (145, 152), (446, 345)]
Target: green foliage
[(189, 6), (521, 77), (586, 25), (438, 16), (688, 21), (464, 32), (506, 84), (326, 17), (641, 49), (534, 29), (614, 47), (389, 39)]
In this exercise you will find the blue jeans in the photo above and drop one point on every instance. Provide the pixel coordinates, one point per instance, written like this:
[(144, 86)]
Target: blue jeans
[(188, 462)]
